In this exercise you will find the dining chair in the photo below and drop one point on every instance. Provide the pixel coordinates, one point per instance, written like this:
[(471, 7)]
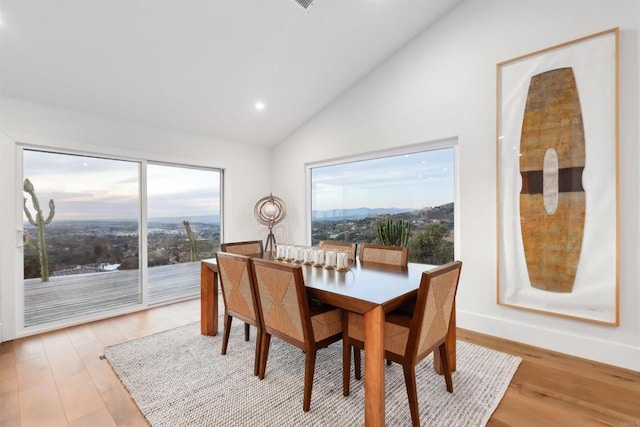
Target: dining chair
[(392, 255), (409, 339), (248, 248), (340, 246), (286, 314), (240, 299)]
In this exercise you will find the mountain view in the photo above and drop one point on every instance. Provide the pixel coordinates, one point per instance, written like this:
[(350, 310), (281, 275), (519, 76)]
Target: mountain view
[(75, 247)]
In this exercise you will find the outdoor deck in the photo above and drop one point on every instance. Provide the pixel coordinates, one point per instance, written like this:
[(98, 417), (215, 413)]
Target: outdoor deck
[(64, 297)]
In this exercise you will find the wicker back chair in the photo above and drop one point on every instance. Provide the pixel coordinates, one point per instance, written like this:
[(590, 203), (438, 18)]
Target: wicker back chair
[(408, 340), (240, 299), (392, 255), (286, 314), (250, 247)]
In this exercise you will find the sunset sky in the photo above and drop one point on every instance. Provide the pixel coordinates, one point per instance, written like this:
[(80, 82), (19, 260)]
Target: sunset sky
[(405, 181)]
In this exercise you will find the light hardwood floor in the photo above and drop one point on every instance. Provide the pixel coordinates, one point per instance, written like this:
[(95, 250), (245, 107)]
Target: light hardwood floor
[(57, 379)]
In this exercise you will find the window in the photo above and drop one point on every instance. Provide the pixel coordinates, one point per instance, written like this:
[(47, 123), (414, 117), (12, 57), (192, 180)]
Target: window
[(85, 252), (349, 199)]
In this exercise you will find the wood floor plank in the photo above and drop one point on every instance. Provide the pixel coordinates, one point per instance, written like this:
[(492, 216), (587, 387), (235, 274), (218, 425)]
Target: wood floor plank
[(79, 396), (517, 409), (7, 366), (28, 348), (106, 332), (115, 396), (34, 373), (9, 403), (6, 347), (81, 334), (64, 364), (41, 406), (560, 385), (100, 418)]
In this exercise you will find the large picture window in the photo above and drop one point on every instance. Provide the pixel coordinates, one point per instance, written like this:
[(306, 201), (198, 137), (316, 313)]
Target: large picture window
[(350, 199)]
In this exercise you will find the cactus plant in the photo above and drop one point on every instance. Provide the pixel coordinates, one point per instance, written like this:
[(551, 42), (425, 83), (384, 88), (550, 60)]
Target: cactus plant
[(393, 234), (192, 241), (39, 222)]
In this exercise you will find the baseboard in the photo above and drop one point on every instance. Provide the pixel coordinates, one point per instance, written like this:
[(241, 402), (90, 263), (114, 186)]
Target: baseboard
[(596, 349)]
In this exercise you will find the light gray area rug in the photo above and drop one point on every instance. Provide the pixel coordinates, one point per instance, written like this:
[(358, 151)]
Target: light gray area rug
[(179, 378)]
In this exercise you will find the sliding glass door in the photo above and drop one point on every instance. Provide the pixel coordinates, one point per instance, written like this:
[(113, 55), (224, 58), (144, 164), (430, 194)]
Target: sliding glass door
[(81, 222), (183, 227), (103, 234)]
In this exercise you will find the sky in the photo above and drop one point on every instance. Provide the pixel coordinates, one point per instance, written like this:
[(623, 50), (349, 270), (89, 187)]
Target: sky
[(94, 188), (410, 181)]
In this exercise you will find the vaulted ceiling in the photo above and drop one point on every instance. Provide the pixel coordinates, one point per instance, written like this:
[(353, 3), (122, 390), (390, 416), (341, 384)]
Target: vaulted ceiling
[(200, 66)]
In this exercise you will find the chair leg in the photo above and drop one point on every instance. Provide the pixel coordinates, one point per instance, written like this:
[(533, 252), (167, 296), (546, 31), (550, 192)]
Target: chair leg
[(357, 363), (256, 359), (412, 393), (264, 353), (444, 358), (227, 331), (246, 332), (309, 368)]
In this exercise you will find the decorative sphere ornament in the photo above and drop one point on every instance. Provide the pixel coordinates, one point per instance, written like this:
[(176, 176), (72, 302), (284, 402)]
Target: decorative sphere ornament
[(270, 211)]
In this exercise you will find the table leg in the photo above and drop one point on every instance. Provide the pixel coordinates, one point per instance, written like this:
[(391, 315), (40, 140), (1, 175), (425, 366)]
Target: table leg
[(208, 300), (451, 346), (374, 412)]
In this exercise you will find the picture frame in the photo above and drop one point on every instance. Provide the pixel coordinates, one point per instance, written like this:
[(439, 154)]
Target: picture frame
[(557, 180)]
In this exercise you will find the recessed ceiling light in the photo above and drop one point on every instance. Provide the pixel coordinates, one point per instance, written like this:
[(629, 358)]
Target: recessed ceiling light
[(259, 105)]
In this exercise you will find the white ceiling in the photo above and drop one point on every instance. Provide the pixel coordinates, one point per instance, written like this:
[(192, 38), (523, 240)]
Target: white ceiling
[(200, 66)]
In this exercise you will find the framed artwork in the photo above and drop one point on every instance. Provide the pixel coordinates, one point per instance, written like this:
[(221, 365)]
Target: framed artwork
[(557, 179)]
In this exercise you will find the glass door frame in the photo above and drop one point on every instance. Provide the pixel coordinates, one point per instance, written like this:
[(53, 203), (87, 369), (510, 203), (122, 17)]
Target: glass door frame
[(12, 293)]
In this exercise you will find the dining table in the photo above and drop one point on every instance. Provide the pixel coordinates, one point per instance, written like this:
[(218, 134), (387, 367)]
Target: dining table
[(367, 288)]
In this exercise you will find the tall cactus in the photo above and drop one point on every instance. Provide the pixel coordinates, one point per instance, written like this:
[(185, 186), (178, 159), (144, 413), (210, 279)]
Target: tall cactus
[(39, 223), (192, 241), (393, 234)]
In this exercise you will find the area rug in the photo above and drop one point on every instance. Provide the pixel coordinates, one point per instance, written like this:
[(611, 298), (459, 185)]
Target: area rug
[(179, 378)]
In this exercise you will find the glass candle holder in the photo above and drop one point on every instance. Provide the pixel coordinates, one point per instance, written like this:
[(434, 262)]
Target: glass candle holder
[(342, 261), (330, 259), (318, 257)]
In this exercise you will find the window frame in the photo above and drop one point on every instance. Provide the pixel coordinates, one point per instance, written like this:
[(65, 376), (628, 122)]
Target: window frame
[(60, 148), (445, 143)]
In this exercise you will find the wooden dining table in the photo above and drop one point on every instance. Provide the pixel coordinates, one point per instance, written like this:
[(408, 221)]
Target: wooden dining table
[(369, 289)]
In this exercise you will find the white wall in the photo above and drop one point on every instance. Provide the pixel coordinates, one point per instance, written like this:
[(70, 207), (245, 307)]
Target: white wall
[(443, 84), (247, 171)]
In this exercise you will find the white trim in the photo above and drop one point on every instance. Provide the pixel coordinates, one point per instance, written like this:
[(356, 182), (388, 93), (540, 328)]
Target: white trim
[(395, 151), (143, 260), (8, 236), (590, 348)]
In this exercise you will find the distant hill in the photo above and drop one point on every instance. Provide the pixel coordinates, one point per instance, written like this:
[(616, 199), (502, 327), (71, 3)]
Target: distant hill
[(356, 213), (204, 219)]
